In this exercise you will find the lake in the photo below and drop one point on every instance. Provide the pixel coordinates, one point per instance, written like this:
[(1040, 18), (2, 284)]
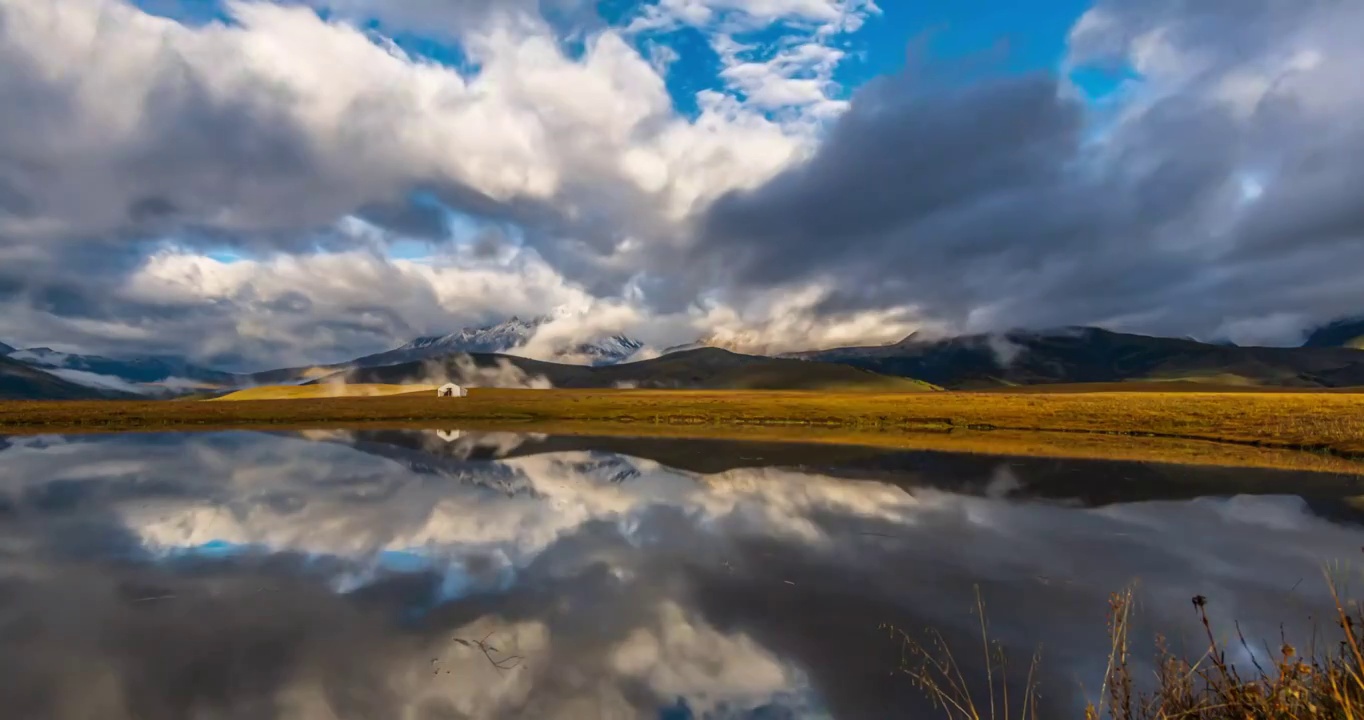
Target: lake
[(446, 574)]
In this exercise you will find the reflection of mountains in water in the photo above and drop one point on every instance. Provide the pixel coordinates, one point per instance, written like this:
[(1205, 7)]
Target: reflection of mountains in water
[(1081, 482), (469, 458)]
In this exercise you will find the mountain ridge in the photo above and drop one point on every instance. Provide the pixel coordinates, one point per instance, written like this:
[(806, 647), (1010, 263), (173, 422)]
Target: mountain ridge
[(21, 381), (1342, 333), (1094, 355), (150, 371), (704, 368)]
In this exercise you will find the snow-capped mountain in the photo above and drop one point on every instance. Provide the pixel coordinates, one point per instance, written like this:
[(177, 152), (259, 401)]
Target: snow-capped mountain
[(505, 337), (139, 374)]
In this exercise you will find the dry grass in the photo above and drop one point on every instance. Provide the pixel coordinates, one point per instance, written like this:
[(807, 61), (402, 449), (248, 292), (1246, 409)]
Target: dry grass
[(313, 392), (1324, 683), (1250, 429)]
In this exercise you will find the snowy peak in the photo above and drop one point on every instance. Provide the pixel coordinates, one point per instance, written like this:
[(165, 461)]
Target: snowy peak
[(505, 337), (487, 339), (611, 350)]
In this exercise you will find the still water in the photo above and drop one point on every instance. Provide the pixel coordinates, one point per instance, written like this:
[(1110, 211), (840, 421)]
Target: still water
[(440, 574)]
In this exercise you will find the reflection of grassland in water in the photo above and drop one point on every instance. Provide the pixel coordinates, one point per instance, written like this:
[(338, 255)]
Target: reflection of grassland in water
[(1247, 429), (1322, 679)]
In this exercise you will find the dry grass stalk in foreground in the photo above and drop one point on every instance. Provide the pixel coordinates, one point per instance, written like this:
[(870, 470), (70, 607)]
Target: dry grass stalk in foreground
[(1326, 684), (936, 672)]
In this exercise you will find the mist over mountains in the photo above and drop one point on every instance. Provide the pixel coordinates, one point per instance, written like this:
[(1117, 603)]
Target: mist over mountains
[(1341, 333), (524, 352)]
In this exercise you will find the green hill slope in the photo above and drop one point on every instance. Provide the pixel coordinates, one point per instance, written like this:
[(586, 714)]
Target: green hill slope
[(705, 368), (1092, 355)]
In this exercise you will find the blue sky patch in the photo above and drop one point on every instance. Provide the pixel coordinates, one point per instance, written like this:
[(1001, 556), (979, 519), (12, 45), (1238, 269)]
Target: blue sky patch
[(188, 12)]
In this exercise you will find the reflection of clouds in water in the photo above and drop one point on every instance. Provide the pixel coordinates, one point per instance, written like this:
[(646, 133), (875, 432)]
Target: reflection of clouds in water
[(680, 656), (562, 492), (604, 571)]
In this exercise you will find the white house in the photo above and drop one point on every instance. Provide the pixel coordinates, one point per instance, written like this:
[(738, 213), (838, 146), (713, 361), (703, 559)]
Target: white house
[(452, 390)]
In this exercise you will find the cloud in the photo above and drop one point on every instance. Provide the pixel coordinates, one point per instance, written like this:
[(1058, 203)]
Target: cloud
[(141, 132), (201, 110), (543, 149), (1002, 203), (683, 657)]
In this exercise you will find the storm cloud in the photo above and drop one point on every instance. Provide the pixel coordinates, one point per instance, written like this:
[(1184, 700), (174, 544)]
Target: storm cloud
[(1223, 184)]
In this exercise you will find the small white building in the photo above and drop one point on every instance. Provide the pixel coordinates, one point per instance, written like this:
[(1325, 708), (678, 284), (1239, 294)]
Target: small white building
[(451, 390)]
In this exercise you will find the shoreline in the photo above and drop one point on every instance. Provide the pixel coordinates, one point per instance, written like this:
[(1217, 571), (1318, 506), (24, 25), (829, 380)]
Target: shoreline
[(1302, 431)]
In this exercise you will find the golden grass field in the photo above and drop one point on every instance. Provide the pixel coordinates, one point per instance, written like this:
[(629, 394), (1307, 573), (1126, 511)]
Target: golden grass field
[(1316, 431)]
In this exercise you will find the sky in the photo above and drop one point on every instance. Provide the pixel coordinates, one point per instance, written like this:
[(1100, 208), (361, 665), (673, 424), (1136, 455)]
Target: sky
[(253, 184)]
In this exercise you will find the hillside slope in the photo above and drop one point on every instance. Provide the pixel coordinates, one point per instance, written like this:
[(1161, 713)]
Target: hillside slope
[(1347, 333), (706, 368), (1092, 355), (20, 381)]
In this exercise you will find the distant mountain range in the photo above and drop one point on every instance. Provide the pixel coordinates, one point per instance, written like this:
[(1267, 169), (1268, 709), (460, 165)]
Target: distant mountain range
[(1092, 355), (21, 381), (497, 339), (483, 356), (145, 369), (503, 338), (709, 368), (148, 375)]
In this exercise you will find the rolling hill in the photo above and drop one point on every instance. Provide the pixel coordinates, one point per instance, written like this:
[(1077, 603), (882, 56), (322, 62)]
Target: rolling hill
[(1092, 355), (21, 381), (705, 368)]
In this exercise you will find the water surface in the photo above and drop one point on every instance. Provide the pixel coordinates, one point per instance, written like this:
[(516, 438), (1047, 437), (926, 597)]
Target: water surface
[(441, 574)]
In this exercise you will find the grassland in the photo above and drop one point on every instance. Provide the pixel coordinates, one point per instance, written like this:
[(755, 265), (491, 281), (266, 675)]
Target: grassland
[(1314, 431)]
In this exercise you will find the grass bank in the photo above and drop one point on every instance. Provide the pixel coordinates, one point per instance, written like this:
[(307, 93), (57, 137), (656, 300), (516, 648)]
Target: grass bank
[(1321, 679), (1249, 429)]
